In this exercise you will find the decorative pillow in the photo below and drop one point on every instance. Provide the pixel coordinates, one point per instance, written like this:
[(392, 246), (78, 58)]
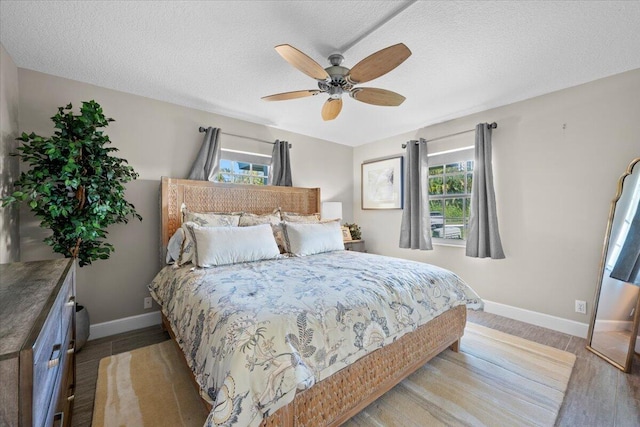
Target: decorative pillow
[(187, 249), (278, 234), (174, 247), (309, 239), (230, 245), (212, 219), (248, 219), (300, 218)]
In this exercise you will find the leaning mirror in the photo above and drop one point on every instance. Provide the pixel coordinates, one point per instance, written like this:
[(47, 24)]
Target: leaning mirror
[(614, 324)]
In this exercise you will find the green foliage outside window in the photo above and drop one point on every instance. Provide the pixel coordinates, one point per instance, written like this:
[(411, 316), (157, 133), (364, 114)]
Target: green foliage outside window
[(450, 199), (242, 173)]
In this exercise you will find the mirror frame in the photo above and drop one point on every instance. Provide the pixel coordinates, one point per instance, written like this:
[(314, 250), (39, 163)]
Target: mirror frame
[(605, 249)]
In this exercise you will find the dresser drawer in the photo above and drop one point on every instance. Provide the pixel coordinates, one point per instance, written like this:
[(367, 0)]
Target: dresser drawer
[(49, 353), (67, 295), (64, 386)]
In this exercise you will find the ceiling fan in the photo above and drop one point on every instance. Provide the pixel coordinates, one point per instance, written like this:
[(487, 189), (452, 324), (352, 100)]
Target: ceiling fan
[(336, 79)]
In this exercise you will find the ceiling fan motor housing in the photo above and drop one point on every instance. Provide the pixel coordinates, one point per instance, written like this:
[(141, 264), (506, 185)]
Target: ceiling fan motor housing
[(338, 83)]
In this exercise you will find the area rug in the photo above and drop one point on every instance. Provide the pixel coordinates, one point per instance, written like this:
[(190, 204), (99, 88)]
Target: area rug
[(149, 386), (495, 379)]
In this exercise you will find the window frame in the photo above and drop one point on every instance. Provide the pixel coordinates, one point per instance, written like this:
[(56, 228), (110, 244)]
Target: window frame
[(442, 159), (252, 159)]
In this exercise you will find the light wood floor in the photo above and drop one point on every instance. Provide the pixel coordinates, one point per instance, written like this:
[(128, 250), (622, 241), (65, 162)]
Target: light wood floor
[(598, 393)]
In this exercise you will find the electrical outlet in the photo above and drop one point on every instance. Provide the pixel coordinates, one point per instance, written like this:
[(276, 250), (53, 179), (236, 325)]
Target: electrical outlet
[(581, 307), (147, 302)]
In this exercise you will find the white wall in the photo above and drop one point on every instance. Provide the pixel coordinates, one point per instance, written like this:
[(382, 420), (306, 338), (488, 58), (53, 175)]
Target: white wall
[(9, 170), (158, 139), (557, 159)]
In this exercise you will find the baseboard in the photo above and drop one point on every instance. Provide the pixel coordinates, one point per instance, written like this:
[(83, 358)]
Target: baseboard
[(559, 324), (126, 324)]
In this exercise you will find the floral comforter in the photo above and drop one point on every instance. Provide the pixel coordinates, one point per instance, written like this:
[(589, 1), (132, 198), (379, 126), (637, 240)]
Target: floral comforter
[(254, 333)]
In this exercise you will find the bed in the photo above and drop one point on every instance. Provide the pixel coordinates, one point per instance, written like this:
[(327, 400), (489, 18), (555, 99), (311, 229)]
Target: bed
[(347, 337)]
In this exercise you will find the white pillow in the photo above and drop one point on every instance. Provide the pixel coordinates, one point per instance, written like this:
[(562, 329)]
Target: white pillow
[(230, 245), (309, 239)]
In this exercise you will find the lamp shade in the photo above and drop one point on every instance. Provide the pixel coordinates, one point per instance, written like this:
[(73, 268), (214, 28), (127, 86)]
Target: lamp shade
[(331, 210)]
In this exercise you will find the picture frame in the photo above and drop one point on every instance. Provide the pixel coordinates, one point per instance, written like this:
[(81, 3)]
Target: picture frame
[(382, 183), (346, 234)]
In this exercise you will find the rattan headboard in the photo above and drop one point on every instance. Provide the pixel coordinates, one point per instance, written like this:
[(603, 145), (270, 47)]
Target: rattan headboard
[(204, 196)]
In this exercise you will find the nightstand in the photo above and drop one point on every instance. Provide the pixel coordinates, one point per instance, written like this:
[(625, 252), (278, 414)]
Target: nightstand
[(354, 245)]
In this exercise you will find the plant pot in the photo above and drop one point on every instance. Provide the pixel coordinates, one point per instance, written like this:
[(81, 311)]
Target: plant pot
[(82, 326)]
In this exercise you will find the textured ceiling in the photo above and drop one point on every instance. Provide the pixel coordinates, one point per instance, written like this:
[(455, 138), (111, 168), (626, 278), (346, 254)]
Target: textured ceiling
[(218, 56)]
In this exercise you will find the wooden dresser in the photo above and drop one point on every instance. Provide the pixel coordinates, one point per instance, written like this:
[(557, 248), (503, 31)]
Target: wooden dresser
[(37, 332)]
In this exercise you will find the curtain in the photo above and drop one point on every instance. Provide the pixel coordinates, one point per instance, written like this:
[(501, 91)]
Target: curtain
[(280, 170), (483, 239), (415, 232), (627, 267), (207, 162)]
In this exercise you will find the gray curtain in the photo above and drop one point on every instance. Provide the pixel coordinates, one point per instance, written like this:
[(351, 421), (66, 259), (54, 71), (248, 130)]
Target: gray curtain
[(415, 232), (207, 162), (280, 170), (627, 267), (483, 239)]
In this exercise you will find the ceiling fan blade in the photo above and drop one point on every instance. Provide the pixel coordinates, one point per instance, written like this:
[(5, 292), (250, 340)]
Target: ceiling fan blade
[(375, 96), (331, 109), (379, 63), (302, 62), (291, 95)]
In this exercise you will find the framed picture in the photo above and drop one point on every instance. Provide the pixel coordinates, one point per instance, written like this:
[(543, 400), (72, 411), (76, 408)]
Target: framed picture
[(382, 184), (346, 234)]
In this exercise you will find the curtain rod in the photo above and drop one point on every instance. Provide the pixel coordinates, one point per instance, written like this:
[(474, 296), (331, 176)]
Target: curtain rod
[(203, 129), (493, 125)]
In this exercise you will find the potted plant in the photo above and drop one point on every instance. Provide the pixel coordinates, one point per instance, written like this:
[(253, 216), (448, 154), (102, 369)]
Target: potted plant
[(75, 186), (354, 229)]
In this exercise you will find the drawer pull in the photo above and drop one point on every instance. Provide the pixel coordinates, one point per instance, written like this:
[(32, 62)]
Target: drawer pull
[(54, 359), (70, 398), (71, 302), (58, 419), (72, 347)]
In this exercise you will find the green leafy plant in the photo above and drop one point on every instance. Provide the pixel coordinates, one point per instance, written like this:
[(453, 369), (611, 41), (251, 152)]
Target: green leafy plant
[(354, 230), (74, 185)]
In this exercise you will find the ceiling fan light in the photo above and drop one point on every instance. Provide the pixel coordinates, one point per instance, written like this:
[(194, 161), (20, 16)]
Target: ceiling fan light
[(335, 92)]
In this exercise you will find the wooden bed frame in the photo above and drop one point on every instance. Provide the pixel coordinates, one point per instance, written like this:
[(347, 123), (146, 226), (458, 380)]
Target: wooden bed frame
[(337, 398)]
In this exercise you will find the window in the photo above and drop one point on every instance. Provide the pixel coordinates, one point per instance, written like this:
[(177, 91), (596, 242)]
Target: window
[(240, 167), (450, 180)]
